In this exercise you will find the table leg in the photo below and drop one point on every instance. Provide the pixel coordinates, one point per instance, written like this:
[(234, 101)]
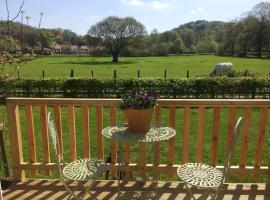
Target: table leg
[(156, 168), (119, 168)]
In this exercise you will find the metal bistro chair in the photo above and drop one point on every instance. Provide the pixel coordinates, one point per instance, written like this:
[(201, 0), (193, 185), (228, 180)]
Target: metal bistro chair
[(207, 177), (80, 170)]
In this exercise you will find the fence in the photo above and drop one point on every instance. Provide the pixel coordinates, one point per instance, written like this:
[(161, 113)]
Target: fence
[(194, 141)]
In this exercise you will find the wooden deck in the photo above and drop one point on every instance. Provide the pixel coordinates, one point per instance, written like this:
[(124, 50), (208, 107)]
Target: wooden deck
[(106, 190)]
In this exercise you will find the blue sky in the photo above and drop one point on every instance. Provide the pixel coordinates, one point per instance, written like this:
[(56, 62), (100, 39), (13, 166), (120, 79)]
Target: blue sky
[(80, 15)]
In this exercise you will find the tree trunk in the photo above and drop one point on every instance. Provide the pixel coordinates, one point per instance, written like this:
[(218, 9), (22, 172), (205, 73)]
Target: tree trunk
[(115, 57)]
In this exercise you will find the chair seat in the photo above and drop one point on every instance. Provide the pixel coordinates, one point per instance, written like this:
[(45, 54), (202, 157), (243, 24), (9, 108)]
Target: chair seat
[(200, 175), (82, 169)]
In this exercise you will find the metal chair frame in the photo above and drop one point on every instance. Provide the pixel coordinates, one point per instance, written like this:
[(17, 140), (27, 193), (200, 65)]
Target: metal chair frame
[(61, 165), (214, 191)]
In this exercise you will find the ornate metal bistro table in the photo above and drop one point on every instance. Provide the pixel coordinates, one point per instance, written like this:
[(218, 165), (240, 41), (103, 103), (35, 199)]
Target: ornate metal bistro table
[(122, 135)]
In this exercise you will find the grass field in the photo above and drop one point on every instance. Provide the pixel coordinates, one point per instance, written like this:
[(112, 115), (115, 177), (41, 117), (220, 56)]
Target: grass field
[(176, 66)]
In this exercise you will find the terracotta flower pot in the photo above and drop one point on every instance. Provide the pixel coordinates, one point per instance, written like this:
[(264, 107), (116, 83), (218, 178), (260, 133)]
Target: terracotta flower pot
[(139, 120)]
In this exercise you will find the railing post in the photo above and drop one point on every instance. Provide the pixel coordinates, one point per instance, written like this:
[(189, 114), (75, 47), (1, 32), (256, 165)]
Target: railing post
[(15, 141)]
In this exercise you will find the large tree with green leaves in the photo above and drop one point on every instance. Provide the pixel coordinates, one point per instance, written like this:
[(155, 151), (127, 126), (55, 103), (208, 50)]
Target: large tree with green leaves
[(115, 33), (261, 12)]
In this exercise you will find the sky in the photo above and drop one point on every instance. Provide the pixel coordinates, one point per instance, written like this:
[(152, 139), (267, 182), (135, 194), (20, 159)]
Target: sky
[(80, 15)]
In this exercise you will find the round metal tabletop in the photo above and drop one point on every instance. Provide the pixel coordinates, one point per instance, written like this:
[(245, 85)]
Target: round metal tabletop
[(123, 134)]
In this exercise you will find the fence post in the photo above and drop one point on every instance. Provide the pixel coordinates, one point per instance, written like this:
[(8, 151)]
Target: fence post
[(187, 73), (71, 73), (43, 74), (138, 73), (18, 72), (114, 74), (165, 74), (15, 141), (92, 73)]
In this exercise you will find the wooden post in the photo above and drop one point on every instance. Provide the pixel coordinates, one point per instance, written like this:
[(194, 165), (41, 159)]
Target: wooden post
[(15, 141), (43, 73), (138, 73), (187, 73), (18, 73), (71, 73), (92, 73), (114, 74), (165, 74)]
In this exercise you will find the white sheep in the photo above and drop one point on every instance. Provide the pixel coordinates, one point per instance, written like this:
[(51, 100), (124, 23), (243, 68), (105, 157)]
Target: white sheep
[(222, 68)]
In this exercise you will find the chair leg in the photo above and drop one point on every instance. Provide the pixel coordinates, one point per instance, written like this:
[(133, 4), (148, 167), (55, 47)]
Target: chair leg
[(204, 195), (71, 193), (87, 190), (189, 191)]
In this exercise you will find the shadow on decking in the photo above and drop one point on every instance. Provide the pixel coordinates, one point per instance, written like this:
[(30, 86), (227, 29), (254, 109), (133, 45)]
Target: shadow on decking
[(106, 190)]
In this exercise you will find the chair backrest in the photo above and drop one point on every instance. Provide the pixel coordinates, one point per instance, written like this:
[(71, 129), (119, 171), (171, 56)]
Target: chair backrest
[(54, 137), (232, 146)]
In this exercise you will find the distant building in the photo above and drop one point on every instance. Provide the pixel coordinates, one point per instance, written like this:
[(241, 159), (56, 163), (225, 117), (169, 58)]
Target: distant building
[(56, 48), (74, 49), (84, 49), (70, 49)]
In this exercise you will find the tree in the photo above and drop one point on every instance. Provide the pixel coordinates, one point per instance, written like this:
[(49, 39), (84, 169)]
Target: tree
[(261, 12), (246, 38), (177, 47), (231, 34), (115, 33)]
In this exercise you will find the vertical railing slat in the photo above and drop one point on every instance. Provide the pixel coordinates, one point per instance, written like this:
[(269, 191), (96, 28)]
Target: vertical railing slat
[(244, 144), (99, 122), (31, 136), (45, 136), (58, 124), (201, 123), (261, 135), (172, 121), (186, 127), (215, 131), (157, 144), (127, 149), (230, 126), (142, 159), (72, 133), (86, 132), (15, 141), (113, 153)]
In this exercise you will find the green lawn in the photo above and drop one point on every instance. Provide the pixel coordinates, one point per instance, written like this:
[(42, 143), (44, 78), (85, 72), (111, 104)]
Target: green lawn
[(176, 66)]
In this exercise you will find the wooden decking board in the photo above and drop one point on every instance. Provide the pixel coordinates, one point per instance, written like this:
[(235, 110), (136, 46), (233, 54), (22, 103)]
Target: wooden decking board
[(106, 190)]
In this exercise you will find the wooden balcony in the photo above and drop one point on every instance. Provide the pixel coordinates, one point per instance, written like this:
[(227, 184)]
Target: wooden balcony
[(203, 132), (107, 190)]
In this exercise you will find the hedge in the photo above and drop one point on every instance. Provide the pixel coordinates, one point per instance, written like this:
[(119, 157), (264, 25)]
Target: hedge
[(218, 87)]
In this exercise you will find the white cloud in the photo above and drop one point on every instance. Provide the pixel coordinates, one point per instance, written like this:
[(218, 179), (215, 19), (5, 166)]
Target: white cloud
[(152, 4), (197, 11), (201, 10), (95, 17), (159, 6), (192, 12), (111, 12)]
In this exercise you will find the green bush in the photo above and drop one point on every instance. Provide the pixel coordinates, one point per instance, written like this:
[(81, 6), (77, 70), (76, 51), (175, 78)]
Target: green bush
[(217, 87)]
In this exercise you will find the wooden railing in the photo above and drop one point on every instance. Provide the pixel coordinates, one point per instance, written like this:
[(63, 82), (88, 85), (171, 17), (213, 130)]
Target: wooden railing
[(204, 130)]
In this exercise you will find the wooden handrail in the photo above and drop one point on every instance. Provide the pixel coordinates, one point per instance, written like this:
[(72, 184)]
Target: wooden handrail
[(184, 113)]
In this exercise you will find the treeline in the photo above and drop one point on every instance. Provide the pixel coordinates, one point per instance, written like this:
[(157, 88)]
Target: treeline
[(248, 35), (36, 38)]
